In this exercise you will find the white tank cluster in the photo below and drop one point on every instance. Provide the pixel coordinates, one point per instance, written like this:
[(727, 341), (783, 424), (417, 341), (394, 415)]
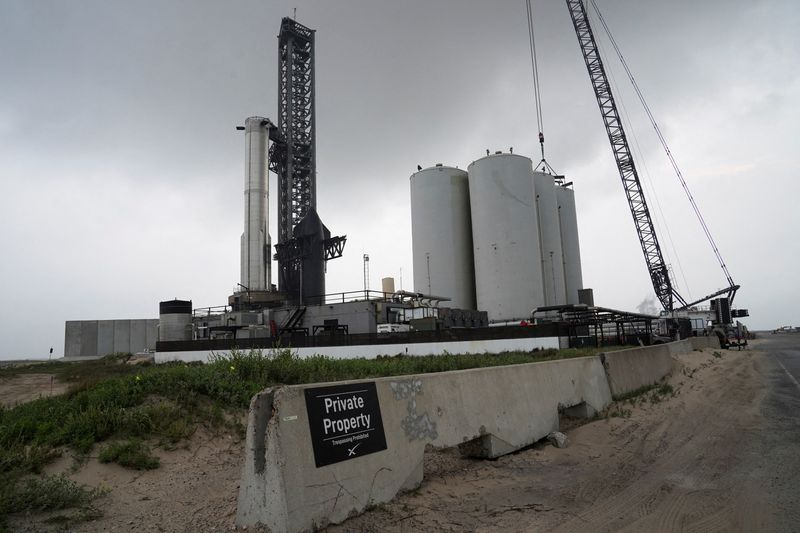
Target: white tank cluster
[(501, 237)]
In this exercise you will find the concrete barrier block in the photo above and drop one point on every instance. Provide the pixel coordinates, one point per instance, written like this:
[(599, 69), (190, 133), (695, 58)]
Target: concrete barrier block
[(631, 369), (304, 469), (699, 343), (679, 347), (628, 370)]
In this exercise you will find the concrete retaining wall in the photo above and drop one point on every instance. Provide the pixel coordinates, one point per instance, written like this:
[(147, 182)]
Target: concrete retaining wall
[(631, 369), (487, 412), (95, 338), (634, 368), (370, 351), (698, 343), (679, 347)]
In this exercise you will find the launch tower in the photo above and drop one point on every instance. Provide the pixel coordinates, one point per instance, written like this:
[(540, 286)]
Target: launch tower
[(302, 249)]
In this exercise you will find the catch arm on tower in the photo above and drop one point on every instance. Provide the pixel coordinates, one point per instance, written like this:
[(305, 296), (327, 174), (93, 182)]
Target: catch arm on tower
[(659, 273)]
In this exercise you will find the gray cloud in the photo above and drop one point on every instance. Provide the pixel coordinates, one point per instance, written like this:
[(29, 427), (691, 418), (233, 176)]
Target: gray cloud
[(121, 171)]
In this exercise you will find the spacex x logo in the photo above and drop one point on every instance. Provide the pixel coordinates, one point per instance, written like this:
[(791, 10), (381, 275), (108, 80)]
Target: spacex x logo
[(345, 421)]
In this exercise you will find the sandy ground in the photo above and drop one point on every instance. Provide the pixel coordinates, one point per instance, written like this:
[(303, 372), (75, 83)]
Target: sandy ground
[(194, 490), (27, 387), (695, 461)]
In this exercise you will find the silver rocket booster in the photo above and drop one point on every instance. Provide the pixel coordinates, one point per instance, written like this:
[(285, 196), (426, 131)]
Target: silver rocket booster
[(256, 243)]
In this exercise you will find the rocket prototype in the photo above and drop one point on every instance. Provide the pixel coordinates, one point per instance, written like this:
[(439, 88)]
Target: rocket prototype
[(256, 243)]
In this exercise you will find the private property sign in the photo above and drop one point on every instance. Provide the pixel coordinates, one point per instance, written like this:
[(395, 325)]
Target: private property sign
[(345, 422)]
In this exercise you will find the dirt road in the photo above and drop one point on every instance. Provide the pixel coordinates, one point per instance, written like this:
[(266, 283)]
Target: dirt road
[(719, 455)]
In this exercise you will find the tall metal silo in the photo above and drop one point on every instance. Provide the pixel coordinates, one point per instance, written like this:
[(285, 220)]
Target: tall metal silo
[(570, 246), (549, 239), (505, 234), (441, 235), (256, 263)]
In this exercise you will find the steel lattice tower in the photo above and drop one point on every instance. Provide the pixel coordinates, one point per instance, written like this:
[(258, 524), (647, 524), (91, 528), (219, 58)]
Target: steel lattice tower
[(304, 243), (296, 165)]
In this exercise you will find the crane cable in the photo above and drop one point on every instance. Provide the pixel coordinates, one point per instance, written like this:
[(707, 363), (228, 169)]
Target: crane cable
[(648, 182), (536, 91), (665, 146)]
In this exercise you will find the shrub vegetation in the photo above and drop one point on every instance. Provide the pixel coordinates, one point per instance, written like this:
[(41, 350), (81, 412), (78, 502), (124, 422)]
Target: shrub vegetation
[(131, 453)]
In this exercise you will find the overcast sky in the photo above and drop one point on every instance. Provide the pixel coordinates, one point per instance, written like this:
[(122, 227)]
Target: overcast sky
[(122, 172)]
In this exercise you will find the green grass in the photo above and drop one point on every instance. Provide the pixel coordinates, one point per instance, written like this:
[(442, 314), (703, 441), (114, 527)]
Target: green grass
[(76, 371), (131, 453), (284, 368), (48, 493), (618, 411), (654, 393)]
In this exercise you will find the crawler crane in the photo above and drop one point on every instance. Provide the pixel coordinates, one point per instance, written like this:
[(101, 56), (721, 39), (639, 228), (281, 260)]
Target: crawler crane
[(665, 290)]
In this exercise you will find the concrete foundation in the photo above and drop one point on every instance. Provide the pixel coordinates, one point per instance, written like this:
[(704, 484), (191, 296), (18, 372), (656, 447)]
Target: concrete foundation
[(486, 412)]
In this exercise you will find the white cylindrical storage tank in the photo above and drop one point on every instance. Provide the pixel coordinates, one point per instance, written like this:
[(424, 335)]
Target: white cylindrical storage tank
[(441, 235), (387, 286), (549, 239), (568, 222), (175, 320), (505, 235)]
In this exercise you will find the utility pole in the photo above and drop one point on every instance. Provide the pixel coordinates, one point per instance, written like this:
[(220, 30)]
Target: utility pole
[(366, 276)]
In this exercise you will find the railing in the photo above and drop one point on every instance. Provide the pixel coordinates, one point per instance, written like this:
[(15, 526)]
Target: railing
[(354, 296), (203, 312), (397, 296)]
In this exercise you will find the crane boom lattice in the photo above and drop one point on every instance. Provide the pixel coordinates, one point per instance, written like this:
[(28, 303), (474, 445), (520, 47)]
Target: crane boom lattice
[(657, 268), (732, 287)]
